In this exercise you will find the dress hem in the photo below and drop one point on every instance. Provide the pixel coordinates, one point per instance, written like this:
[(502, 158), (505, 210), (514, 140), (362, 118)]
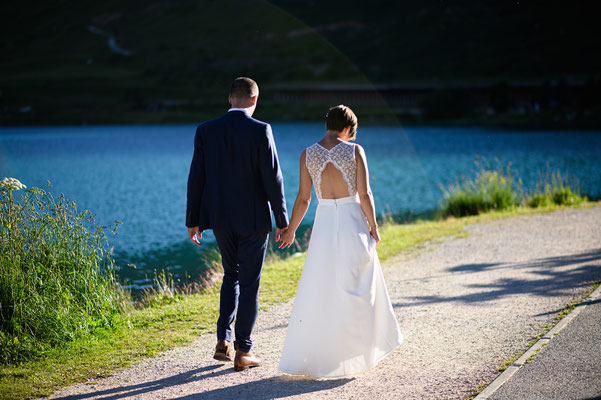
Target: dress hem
[(375, 364)]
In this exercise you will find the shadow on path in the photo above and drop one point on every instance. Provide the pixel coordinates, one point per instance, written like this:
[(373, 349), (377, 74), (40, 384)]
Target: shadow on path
[(270, 388), (276, 387), (549, 262), (548, 279), (584, 303), (279, 326), (146, 387)]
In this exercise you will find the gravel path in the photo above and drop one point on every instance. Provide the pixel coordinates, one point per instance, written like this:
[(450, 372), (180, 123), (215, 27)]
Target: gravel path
[(464, 307)]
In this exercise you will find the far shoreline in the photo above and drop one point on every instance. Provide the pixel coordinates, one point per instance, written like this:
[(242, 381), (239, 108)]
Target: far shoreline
[(509, 125)]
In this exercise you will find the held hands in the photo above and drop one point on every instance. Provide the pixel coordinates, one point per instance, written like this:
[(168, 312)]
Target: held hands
[(286, 239), (195, 235), (279, 232)]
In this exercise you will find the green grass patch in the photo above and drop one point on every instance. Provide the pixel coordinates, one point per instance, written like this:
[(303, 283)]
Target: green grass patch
[(554, 188), (56, 283), (533, 356), (498, 189), (507, 363), (147, 332), (489, 190)]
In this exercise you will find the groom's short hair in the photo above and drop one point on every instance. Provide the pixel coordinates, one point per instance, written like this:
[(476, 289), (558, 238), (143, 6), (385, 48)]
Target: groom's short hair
[(340, 117), (244, 88)]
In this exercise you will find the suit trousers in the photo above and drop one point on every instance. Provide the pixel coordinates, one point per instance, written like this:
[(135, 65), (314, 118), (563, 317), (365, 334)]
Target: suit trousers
[(242, 255)]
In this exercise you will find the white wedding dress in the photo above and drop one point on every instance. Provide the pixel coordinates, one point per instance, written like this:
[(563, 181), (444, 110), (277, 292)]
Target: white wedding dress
[(342, 321)]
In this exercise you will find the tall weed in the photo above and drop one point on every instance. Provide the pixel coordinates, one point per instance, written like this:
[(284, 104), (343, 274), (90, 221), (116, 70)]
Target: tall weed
[(498, 189), (57, 280), (554, 188), (491, 189)]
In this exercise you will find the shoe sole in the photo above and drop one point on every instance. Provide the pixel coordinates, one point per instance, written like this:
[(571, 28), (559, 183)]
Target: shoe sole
[(239, 368), (222, 357)]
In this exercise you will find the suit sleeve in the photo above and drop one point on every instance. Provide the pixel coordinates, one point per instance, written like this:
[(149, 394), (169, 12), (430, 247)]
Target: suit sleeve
[(273, 182), (196, 181)]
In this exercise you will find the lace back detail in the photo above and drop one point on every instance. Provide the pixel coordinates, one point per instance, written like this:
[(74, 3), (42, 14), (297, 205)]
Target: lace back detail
[(342, 156)]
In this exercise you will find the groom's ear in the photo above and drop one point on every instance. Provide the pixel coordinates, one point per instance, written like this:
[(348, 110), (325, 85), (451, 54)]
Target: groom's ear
[(253, 100), (229, 98)]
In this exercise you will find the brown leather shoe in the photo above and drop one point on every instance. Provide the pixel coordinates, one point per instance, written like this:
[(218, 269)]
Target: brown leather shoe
[(244, 361), (223, 351)]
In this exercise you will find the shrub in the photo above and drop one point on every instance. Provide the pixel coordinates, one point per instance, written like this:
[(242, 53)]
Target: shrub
[(496, 189), (489, 190), (538, 200), (553, 188), (57, 280)]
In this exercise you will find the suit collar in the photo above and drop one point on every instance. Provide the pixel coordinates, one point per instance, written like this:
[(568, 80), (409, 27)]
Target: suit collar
[(234, 109)]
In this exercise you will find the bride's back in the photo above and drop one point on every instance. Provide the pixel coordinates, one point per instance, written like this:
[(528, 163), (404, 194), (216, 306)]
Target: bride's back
[(333, 171)]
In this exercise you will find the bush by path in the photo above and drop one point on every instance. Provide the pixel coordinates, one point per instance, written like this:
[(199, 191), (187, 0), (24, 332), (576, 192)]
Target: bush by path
[(498, 189), (56, 281)]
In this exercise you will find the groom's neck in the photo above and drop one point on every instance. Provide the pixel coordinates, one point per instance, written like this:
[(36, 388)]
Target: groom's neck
[(249, 110), (247, 104)]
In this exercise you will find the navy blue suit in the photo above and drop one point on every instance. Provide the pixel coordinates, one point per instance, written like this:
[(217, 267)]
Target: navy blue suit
[(234, 182)]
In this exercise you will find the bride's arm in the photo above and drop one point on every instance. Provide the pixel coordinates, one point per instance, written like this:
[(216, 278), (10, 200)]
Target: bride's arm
[(366, 198), (301, 205)]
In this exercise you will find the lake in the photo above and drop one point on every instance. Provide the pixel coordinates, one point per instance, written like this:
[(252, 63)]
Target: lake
[(138, 174)]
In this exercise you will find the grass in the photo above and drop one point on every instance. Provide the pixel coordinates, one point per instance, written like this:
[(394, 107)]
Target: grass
[(489, 190), (533, 356), (498, 189), (553, 188), (56, 283), (176, 319)]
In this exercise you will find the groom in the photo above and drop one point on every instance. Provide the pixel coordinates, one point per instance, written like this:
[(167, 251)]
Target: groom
[(234, 178)]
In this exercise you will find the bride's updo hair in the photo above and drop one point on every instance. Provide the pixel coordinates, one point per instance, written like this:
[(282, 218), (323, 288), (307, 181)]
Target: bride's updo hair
[(340, 117)]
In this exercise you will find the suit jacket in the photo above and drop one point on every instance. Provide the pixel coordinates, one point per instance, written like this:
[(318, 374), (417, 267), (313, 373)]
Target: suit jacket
[(235, 176)]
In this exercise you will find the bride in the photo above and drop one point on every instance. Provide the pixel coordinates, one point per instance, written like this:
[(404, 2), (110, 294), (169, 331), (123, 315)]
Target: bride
[(342, 321)]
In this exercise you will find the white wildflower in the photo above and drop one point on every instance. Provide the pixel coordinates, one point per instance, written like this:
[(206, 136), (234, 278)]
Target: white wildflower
[(11, 184)]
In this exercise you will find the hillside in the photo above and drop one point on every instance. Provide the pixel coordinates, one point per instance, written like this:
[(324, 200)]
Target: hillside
[(136, 61)]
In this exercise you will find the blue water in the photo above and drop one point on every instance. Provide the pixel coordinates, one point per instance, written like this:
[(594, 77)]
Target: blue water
[(137, 174)]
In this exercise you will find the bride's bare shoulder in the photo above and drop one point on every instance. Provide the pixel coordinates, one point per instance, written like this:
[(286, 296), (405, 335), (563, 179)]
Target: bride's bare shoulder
[(359, 150)]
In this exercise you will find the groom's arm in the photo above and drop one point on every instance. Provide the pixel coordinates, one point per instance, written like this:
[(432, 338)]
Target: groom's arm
[(196, 181), (273, 182)]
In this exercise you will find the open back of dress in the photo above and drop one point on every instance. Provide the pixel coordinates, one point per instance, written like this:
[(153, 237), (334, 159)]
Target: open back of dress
[(333, 171)]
